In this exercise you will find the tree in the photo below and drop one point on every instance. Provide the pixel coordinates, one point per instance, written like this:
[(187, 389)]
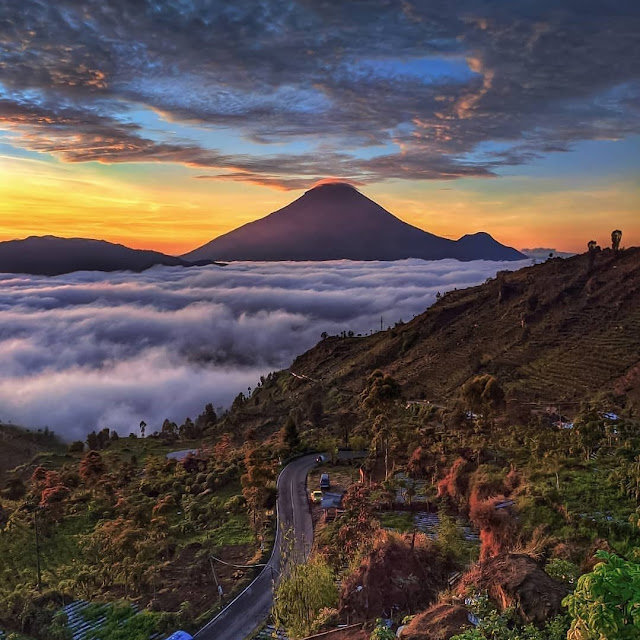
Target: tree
[(483, 394), (382, 390), (632, 484), (589, 431), (190, 430), (593, 249), (76, 447), (169, 430), (291, 435), (346, 421), (59, 629), (254, 486), (238, 402), (302, 595), (208, 417), (616, 236), (606, 602), (92, 441), (380, 440), (316, 412), (103, 438)]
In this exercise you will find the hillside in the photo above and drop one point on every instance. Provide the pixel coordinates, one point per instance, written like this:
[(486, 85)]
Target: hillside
[(18, 446), (550, 333), (335, 221), (50, 256)]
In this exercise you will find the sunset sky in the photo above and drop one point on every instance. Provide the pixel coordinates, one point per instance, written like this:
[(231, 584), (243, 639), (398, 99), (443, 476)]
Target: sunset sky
[(164, 124)]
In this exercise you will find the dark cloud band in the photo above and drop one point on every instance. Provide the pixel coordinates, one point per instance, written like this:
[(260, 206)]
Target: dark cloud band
[(538, 76)]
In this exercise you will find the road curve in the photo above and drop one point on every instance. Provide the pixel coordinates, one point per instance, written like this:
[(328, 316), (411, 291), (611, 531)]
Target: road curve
[(244, 614)]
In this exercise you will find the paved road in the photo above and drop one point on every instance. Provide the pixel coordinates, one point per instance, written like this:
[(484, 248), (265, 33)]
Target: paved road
[(252, 606)]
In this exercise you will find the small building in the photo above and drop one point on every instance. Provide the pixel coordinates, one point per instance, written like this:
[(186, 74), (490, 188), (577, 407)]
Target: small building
[(331, 504)]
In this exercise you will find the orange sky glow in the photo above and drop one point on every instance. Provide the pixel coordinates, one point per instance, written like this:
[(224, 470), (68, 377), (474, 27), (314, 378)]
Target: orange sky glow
[(165, 209)]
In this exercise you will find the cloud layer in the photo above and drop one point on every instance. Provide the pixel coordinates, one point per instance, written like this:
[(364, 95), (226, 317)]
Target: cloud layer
[(418, 89), (93, 350)]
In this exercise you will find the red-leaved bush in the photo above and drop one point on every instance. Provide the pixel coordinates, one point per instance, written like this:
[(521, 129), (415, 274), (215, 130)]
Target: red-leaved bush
[(496, 523), (456, 482)]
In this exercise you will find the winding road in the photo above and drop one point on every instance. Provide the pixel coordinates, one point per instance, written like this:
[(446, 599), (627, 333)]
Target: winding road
[(294, 538)]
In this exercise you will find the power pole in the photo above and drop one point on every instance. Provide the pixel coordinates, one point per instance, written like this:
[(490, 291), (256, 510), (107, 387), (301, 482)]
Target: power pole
[(215, 577), (380, 323)]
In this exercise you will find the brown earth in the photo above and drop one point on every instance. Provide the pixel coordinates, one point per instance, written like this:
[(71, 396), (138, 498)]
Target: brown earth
[(395, 577), (354, 632), (516, 580), (190, 578), (440, 622)]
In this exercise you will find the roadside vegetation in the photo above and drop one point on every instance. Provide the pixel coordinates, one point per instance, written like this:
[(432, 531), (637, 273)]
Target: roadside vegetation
[(546, 503), (492, 502), (121, 521)]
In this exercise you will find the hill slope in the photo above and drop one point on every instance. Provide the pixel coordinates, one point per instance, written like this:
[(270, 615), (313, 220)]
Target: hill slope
[(18, 446), (550, 333), (335, 221), (50, 256)]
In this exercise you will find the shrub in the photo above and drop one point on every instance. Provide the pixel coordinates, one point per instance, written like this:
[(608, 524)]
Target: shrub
[(302, 595), (606, 602), (563, 570)]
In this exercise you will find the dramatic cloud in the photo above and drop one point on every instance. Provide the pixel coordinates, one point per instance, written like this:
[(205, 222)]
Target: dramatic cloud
[(422, 89), (93, 350)]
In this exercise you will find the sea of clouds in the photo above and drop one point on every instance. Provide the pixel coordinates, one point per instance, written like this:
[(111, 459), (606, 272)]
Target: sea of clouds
[(91, 350)]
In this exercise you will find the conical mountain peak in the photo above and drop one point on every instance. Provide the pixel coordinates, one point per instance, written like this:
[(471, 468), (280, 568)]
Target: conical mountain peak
[(335, 221)]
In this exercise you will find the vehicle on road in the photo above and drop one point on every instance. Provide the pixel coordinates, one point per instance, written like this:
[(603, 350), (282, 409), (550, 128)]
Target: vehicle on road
[(180, 635), (324, 481), (319, 459), (316, 496)]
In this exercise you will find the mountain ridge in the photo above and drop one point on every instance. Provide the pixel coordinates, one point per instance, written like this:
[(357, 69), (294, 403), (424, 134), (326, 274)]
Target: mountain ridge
[(334, 221), (552, 333), (52, 255)]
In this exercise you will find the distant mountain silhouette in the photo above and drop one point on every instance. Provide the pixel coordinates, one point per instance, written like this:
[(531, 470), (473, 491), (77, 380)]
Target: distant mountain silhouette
[(335, 221), (50, 256)]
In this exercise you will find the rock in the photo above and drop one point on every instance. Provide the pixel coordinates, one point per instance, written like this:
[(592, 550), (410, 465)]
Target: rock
[(395, 577), (516, 580), (440, 622)]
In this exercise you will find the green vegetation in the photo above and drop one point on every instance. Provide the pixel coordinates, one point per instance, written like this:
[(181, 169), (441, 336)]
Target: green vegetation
[(396, 521), (381, 631), (127, 521), (302, 595), (512, 407), (123, 622), (606, 602), (494, 625)]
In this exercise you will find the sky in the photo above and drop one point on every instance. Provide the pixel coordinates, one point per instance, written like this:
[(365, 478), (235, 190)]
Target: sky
[(162, 124), (90, 350)]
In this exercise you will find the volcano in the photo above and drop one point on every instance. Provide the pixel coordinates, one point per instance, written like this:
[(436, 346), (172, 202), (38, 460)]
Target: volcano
[(334, 221)]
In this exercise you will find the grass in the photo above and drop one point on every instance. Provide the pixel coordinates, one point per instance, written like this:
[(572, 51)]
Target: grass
[(142, 448), (401, 521), (235, 531), (122, 622), (583, 501)]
